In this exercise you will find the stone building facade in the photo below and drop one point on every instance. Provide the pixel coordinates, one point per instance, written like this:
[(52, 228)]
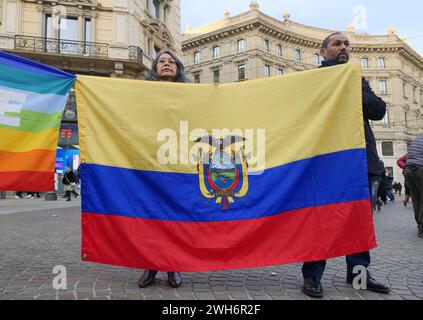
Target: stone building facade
[(252, 45), (111, 38), (102, 37)]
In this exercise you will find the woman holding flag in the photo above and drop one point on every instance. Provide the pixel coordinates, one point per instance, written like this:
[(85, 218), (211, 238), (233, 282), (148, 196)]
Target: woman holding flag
[(166, 67)]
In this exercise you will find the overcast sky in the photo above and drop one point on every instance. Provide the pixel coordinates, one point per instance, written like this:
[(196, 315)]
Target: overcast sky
[(371, 16)]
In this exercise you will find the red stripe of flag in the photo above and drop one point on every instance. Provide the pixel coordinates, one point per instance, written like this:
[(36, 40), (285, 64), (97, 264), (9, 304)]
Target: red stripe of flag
[(27, 181), (309, 234)]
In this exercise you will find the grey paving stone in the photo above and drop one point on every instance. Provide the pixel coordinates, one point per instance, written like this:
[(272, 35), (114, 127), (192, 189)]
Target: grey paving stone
[(26, 271)]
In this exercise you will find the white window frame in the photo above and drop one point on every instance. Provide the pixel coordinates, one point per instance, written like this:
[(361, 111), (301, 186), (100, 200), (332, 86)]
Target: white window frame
[(385, 119), (156, 14), (298, 57), (365, 63), (266, 71), (383, 87), (216, 51), (240, 45), (279, 50), (266, 45), (381, 62), (197, 57), (245, 71), (317, 59)]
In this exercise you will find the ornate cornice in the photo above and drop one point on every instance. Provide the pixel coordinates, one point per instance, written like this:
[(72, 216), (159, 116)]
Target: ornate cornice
[(159, 30), (77, 8), (358, 48), (256, 24), (78, 3), (268, 26), (409, 79), (412, 56)]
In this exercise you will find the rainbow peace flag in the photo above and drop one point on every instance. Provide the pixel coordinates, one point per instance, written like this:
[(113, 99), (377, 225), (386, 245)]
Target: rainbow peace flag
[(32, 99), (165, 187)]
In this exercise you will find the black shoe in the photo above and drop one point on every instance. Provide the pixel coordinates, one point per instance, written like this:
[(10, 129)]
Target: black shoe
[(147, 278), (372, 284), (174, 279), (68, 200), (313, 288)]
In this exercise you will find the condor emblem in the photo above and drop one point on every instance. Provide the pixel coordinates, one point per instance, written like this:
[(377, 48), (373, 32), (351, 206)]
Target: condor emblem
[(222, 174)]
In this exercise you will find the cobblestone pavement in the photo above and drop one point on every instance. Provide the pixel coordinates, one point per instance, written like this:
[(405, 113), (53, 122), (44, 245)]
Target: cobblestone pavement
[(33, 241)]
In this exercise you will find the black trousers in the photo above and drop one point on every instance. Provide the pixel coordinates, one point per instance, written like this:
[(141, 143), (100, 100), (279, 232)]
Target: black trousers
[(414, 176), (316, 269), (68, 194)]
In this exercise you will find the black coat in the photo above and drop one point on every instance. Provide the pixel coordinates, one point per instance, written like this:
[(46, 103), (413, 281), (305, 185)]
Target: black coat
[(374, 108), (68, 178)]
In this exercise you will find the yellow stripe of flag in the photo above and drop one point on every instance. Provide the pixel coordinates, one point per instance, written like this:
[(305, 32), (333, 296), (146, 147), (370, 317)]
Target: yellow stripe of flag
[(21, 141), (317, 111)]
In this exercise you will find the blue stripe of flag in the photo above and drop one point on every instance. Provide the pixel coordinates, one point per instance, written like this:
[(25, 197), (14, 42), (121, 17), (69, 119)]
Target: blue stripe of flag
[(323, 180)]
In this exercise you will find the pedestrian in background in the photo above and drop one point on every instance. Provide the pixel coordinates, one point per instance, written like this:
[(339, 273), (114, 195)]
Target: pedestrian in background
[(382, 199), (69, 180), (18, 195), (414, 174), (402, 162), (399, 188), (389, 186)]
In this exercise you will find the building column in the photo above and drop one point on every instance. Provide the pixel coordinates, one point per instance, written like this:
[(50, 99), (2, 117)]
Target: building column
[(41, 21), (162, 12), (80, 28), (93, 28), (55, 23)]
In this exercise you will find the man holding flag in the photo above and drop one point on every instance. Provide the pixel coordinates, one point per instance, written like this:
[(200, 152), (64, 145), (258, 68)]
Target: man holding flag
[(336, 51)]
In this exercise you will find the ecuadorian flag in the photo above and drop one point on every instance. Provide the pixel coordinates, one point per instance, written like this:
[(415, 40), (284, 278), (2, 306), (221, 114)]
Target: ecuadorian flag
[(166, 187), (32, 99)]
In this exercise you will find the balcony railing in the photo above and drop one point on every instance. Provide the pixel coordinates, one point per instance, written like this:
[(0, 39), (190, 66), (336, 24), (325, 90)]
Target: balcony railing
[(371, 38), (60, 46), (136, 54)]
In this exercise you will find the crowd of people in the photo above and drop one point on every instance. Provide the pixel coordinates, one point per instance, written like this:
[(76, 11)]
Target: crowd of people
[(388, 189), (29, 195)]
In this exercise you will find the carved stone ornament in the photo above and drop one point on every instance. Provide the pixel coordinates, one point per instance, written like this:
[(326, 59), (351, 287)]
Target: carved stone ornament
[(159, 29)]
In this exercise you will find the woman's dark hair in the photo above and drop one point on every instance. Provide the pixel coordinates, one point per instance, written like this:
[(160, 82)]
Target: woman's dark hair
[(180, 72)]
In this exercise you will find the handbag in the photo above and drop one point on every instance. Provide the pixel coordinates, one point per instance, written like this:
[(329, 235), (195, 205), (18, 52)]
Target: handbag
[(70, 183)]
